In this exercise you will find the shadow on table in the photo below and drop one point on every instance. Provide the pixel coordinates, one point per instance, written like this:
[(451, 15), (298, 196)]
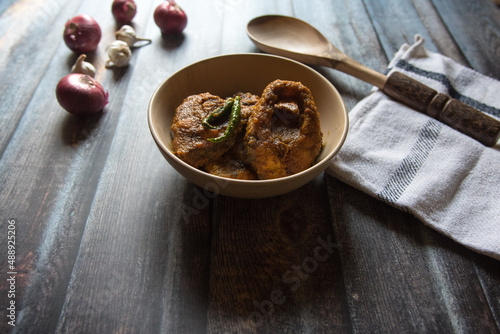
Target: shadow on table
[(260, 264), (170, 42), (75, 130)]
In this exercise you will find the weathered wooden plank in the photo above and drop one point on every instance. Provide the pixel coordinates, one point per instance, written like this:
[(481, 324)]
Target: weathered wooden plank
[(463, 288), (347, 25), (479, 38), (50, 171), (488, 271), (26, 53), (162, 249), (143, 268), (377, 277), (411, 279), (274, 265), (396, 22), (438, 31)]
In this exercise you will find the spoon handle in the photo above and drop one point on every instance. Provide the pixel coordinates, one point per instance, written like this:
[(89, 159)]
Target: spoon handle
[(420, 97), (450, 111)]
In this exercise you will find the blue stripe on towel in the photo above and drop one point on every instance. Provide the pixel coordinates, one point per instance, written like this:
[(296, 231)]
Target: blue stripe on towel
[(404, 65), (410, 165)]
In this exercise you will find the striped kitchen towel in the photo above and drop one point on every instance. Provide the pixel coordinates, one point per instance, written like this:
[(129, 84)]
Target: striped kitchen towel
[(413, 162)]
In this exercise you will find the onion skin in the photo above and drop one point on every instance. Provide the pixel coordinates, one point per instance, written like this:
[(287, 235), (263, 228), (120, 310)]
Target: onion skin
[(82, 34), (80, 94), (170, 18), (123, 10)]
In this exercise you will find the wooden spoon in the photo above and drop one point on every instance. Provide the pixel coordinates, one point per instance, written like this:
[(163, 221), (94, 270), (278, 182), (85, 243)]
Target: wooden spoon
[(290, 37)]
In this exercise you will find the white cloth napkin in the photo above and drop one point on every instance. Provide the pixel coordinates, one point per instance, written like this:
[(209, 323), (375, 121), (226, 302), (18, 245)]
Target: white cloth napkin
[(417, 164)]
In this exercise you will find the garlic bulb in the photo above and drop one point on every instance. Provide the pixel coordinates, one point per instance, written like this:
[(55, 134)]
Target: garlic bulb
[(83, 67), (119, 54), (128, 35)]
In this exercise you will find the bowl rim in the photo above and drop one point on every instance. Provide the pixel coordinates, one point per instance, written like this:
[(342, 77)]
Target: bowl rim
[(317, 168)]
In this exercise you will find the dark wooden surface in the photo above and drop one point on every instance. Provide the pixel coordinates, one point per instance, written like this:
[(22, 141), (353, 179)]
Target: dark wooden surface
[(110, 239)]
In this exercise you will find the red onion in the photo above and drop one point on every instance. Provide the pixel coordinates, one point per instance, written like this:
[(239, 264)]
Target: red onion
[(80, 94), (123, 10), (170, 18), (82, 34)]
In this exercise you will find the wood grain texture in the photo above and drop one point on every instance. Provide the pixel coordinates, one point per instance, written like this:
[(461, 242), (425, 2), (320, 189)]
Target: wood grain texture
[(275, 266), (438, 31), (26, 29), (417, 262), (349, 30), (112, 240), (483, 47), (451, 112), (63, 157)]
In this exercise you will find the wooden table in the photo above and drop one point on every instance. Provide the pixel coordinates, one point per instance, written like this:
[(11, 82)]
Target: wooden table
[(110, 239)]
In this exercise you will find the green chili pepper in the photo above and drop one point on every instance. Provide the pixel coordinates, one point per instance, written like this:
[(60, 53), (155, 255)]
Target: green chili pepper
[(217, 113), (233, 121)]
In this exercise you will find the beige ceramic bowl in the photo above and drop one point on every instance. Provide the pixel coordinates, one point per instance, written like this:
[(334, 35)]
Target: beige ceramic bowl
[(226, 75)]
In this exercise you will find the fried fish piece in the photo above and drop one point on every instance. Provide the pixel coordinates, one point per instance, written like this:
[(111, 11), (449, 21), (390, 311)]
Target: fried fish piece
[(283, 135), (234, 163), (190, 142)]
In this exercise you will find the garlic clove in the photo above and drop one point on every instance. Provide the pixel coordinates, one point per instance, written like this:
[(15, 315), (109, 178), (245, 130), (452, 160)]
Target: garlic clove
[(119, 54), (83, 67), (129, 36), (126, 34)]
